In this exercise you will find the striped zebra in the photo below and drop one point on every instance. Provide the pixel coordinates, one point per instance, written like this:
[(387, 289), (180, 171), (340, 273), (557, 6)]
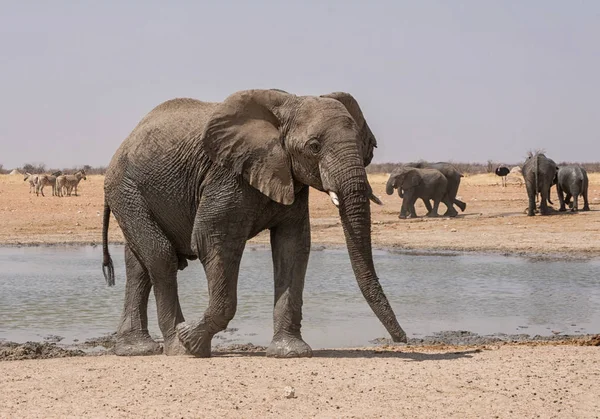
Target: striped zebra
[(33, 181), (47, 180), (66, 183)]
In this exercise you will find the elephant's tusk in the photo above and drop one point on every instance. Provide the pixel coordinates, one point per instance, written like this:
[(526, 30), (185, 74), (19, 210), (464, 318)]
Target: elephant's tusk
[(373, 198), (334, 199)]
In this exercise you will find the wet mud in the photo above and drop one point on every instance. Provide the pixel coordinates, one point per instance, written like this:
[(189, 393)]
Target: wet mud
[(12, 351)]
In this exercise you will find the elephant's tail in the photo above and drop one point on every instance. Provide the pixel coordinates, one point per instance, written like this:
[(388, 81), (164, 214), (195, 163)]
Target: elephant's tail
[(536, 174), (107, 265)]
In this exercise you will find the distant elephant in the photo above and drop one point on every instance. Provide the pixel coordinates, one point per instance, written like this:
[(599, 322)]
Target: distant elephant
[(453, 176), (572, 181), (197, 180), (539, 174), (413, 183)]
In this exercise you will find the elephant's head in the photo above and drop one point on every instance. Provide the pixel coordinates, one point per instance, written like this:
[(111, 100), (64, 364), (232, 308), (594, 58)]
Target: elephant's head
[(279, 142), (403, 179)]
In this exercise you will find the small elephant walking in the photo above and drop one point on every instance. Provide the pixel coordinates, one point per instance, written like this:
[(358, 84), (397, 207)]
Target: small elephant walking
[(572, 181), (453, 176), (413, 183), (539, 173)]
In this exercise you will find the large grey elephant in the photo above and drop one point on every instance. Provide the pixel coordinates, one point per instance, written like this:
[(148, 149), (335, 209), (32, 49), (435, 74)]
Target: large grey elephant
[(453, 176), (197, 180), (539, 174), (572, 181), (413, 183)]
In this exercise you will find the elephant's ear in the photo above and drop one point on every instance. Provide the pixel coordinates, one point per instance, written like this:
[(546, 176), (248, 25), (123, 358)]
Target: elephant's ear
[(243, 135), (368, 141), (412, 179)]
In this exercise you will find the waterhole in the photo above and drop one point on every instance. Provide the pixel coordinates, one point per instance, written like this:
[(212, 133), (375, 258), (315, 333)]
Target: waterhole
[(61, 291)]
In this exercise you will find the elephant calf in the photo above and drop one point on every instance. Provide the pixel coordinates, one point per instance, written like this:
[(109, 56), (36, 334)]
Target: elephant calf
[(572, 181), (415, 183)]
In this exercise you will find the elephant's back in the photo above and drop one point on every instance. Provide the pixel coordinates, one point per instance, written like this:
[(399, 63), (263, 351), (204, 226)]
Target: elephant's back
[(163, 134)]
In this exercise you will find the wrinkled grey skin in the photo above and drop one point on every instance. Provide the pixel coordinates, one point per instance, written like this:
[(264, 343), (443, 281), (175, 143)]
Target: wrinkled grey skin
[(197, 180), (572, 181), (539, 173), (415, 183), (453, 176)]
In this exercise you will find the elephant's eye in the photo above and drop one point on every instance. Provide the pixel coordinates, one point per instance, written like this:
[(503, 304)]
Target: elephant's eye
[(314, 146)]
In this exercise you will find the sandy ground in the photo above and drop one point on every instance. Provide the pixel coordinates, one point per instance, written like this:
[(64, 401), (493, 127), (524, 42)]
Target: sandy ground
[(488, 381), (494, 221), (505, 382)]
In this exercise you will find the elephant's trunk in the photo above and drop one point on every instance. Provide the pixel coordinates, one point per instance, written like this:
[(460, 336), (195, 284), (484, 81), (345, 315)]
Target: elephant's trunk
[(355, 213), (389, 186)]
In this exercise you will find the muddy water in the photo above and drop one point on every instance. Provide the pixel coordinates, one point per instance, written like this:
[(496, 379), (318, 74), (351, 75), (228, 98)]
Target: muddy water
[(60, 291)]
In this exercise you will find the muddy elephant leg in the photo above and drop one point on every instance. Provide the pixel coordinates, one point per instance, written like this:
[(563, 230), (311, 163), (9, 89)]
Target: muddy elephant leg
[(586, 205), (427, 205), (450, 212), (404, 210), (575, 206), (434, 210), (133, 337), (532, 200), (156, 254), (290, 243), (460, 204), (544, 202), (221, 263)]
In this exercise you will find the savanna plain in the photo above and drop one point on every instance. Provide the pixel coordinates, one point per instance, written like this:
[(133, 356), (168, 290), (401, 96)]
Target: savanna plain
[(558, 379)]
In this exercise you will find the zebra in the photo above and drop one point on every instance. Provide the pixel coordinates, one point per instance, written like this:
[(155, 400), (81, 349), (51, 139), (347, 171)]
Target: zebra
[(33, 181), (66, 183), (45, 180)]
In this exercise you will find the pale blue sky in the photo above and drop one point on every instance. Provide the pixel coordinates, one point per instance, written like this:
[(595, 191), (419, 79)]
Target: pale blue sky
[(437, 80)]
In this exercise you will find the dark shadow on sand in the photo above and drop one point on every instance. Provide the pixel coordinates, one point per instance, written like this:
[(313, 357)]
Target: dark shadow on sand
[(369, 354)]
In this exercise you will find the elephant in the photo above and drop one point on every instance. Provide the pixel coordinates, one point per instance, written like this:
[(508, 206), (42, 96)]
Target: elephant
[(196, 180), (572, 181), (539, 173), (453, 176), (413, 183)]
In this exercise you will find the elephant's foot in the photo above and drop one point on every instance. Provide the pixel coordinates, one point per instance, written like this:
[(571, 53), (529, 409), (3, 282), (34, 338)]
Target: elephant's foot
[(562, 209), (586, 208), (461, 205), (195, 338), (288, 346), (402, 216), (432, 214), (173, 346), (451, 213), (136, 344)]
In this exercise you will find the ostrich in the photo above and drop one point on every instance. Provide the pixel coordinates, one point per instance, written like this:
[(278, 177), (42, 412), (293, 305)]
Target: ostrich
[(502, 171)]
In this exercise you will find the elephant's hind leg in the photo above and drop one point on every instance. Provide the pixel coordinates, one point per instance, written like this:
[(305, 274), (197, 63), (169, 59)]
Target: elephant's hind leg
[(132, 336), (159, 260)]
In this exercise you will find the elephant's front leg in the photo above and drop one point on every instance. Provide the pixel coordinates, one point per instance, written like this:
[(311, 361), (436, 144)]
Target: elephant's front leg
[(290, 244), (221, 262)]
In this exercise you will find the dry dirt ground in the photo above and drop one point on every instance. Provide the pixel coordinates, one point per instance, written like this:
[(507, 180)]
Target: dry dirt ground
[(494, 221), (504, 382)]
